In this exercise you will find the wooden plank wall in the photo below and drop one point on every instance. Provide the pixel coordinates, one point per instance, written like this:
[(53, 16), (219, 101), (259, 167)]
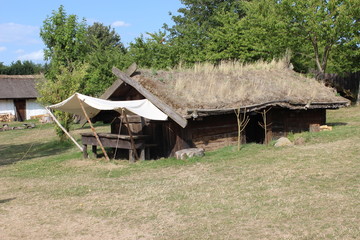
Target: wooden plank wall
[(174, 138), (284, 121), (209, 133), (215, 132)]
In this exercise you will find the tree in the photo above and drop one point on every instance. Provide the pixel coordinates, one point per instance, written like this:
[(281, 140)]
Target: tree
[(99, 35), (21, 68), (66, 82), (345, 58), (225, 42), (81, 58), (153, 52), (324, 24), (189, 35), (246, 37), (100, 62), (311, 29), (3, 68), (64, 39), (105, 51)]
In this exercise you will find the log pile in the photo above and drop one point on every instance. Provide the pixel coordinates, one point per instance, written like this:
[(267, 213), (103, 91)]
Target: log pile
[(325, 128), (44, 118), (7, 117)]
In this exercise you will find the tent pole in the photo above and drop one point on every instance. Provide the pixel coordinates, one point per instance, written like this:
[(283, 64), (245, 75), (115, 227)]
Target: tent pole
[(131, 136), (93, 129), (62, 128)]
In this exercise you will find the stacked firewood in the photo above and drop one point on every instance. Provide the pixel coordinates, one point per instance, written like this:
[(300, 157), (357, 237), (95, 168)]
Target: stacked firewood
[(44, 118), (7, 117)]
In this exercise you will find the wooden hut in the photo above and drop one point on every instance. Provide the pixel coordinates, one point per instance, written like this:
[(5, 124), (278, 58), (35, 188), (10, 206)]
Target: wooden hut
[(18, 97), (201, 117), (347, 84)]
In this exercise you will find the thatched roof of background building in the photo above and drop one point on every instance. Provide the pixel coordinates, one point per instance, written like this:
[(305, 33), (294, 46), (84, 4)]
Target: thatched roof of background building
[(231, 85), (18, 86)]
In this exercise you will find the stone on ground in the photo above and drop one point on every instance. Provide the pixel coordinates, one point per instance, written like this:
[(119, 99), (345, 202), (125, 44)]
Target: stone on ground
[(189, 152), (282, 142)]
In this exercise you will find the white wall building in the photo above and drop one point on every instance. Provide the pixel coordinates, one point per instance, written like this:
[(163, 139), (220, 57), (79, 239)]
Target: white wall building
[(18, 96)]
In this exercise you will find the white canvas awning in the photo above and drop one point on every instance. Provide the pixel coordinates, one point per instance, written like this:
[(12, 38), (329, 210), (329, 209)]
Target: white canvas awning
[(93, 106)]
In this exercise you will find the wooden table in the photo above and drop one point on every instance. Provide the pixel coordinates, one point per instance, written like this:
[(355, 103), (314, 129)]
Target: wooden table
[(115, 141)]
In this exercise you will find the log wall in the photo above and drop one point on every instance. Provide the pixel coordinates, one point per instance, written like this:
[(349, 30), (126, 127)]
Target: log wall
[(284, 121), (214, 132), (209, 133)]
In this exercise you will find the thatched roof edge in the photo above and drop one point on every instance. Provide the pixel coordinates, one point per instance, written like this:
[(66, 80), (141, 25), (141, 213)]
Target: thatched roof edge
[(193, 113), (18, 86)]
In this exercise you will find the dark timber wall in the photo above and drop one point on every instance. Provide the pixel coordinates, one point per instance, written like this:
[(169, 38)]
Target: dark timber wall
[(284, 121), (214, 132)]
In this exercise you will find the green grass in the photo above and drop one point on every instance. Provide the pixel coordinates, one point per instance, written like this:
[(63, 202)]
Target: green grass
[(308, 191)]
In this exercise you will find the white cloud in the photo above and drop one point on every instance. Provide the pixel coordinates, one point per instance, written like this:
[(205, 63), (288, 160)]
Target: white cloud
[(13, 32), (2, 49), (35, 56), (120, 24)]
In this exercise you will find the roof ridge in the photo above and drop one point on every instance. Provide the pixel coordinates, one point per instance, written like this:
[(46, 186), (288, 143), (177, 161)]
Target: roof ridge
[(32, 76)]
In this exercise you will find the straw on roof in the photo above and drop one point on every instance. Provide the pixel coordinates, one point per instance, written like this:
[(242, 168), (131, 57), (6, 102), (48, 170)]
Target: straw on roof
[(18, 86), (233, 85)]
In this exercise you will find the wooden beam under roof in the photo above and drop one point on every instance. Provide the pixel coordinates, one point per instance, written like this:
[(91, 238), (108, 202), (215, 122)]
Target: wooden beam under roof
[(107, 94), (153, 99)]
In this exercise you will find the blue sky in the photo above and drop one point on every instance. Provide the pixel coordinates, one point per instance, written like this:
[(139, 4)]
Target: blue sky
[(20, 21)]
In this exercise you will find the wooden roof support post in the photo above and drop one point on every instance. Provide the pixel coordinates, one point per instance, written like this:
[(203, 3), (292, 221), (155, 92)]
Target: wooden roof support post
[(130, 134), (62, 128), (93, 129)]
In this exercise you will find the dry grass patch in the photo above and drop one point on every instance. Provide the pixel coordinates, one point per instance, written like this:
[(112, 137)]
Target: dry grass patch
[(310, 191)]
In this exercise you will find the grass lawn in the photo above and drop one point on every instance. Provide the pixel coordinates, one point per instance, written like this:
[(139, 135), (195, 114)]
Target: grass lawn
[(309, 191)]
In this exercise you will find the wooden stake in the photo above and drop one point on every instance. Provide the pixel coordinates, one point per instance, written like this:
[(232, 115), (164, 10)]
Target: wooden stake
[(62, 128), (131, 136), (93, 129), (265, 124), (242, 122)]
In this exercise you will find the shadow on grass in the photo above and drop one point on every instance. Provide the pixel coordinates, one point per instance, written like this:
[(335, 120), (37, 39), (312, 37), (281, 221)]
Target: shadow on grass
[(10, 154), (7, 200), (337, 124)]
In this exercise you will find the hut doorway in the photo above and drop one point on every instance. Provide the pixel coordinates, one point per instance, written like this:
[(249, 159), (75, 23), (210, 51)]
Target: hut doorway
[(254, 132), (20, 106)]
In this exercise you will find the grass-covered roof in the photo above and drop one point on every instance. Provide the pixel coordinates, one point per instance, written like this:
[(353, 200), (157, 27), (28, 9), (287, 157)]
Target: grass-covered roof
[(233, 85)]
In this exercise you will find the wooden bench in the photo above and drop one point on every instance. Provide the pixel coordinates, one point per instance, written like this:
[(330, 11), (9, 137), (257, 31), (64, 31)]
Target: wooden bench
[(115, 141)]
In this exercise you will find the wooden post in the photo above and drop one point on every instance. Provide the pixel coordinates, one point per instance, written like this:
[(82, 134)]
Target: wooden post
[(241, 122), (62, 128), (265, 125), (85, 154), (93, 149), (93, 129), (131, 137)]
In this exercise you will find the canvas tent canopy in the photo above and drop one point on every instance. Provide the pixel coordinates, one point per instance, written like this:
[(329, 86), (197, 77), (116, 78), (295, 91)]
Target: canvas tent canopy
[(93, 106), (89, 107)]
